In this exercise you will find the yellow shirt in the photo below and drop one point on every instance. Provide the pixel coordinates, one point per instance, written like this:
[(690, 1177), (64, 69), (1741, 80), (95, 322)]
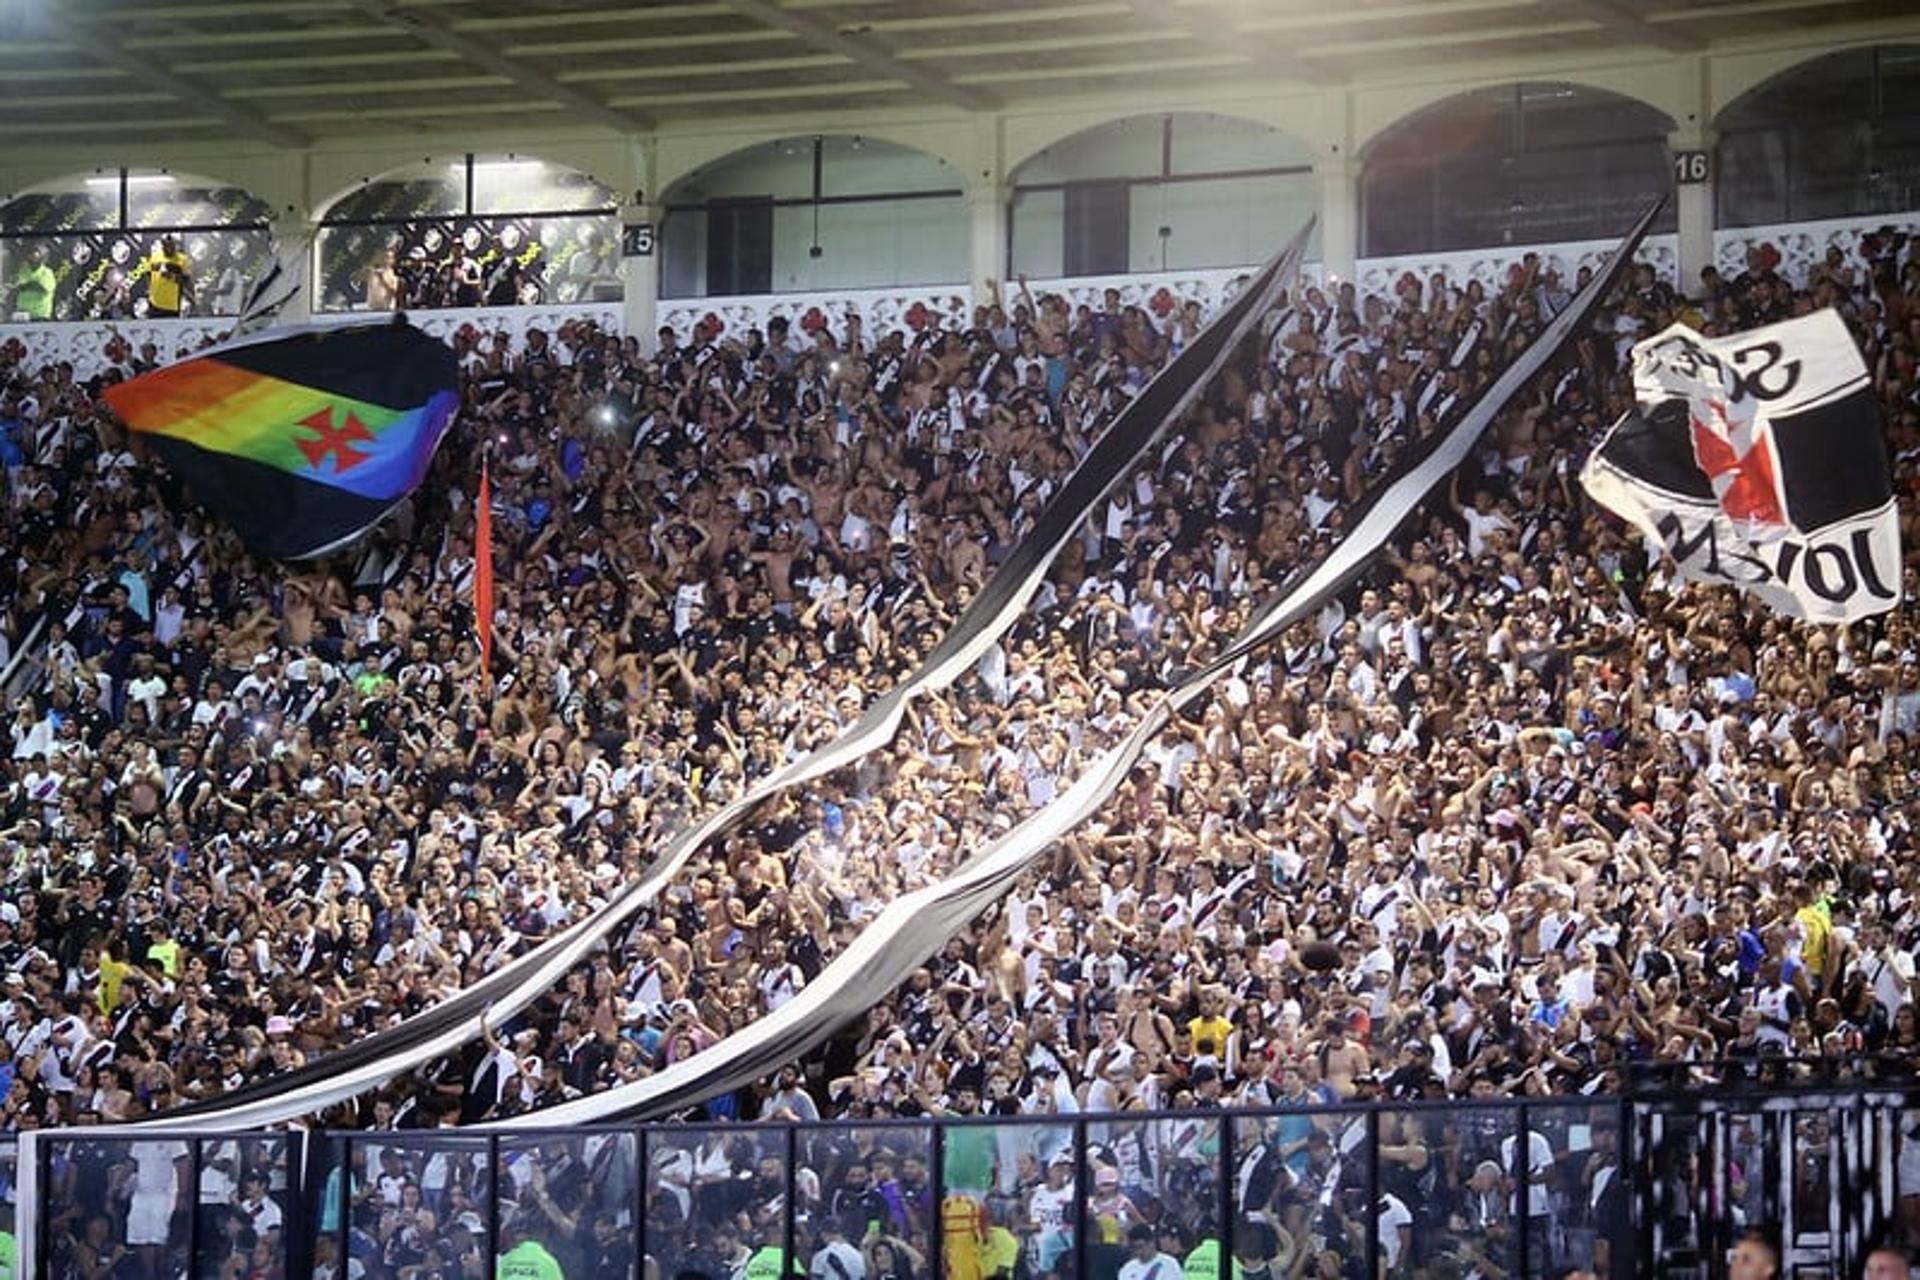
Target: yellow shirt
[(1002, 1252), (113, 973), (1210, 1035), (163, 287), (168, 954), (1818, 925)]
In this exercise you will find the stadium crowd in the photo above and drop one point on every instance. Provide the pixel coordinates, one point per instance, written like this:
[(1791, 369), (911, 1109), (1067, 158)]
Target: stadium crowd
[(1519, 816)]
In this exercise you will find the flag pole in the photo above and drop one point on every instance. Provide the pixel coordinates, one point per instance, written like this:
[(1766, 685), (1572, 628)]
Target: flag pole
[(483, 580)]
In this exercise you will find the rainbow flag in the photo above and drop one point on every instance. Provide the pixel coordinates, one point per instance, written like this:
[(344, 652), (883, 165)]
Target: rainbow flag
[(301, 441)]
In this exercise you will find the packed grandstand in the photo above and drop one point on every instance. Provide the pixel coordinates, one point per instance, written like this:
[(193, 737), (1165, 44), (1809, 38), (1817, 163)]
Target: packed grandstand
[(1519, 815)]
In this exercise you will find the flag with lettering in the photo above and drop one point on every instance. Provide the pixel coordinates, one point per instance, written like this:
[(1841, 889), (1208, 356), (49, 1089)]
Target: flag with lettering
[(1759, 460), (299, 440)]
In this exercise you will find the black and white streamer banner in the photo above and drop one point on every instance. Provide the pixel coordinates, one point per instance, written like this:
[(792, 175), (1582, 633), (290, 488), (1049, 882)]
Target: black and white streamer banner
[(377, 1058), (916, 925)]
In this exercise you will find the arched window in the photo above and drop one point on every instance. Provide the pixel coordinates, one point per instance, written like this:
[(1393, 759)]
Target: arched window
[(89, 247), (1158, 193), (1836, 137), (825, 212), (1518, 164), (471, 231)]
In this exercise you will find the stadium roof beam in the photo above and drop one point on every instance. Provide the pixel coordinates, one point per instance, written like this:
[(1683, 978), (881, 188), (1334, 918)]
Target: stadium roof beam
[(1408, 10), (1217, 33), (1021, 16), (483, 55), (822, 35), (1618, 19), (700, 70), (221, 10), (1743, 9), (68, 26), (550, 19)]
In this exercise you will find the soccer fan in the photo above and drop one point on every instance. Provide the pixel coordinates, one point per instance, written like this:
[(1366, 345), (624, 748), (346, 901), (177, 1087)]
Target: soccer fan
[(1519, 815)]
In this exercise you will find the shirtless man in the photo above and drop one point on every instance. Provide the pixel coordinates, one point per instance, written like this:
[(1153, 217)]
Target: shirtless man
[(1343, 1059), (1144, 1027)]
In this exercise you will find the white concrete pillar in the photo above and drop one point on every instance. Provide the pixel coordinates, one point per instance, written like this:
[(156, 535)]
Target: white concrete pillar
[(640, 273), (1339, 176), (986, 238), (1693, 204)]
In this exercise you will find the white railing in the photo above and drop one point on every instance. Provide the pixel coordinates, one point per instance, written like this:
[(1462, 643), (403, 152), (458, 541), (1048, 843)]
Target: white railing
[(910, 306), (1491, 266), (1155, 291), (515, 322), (1802, 244), (903, 307), (83, 343), (1212, 287)]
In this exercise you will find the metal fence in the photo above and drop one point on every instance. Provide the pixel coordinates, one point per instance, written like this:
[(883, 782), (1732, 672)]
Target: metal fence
[(1656, 1185)]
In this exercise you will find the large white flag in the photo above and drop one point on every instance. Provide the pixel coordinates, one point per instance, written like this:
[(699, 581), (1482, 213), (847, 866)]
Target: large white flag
[(1759, 460)]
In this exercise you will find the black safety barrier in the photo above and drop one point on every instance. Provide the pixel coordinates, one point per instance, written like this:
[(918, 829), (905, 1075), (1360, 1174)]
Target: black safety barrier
[(1660, 1181)]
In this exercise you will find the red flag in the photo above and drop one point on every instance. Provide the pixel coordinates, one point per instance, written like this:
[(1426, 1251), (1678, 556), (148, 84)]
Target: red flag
[(483, 573)]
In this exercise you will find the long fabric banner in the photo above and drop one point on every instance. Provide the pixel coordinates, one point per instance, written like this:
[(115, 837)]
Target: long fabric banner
[(913, 927), (379, 1057), (1759, 460)]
